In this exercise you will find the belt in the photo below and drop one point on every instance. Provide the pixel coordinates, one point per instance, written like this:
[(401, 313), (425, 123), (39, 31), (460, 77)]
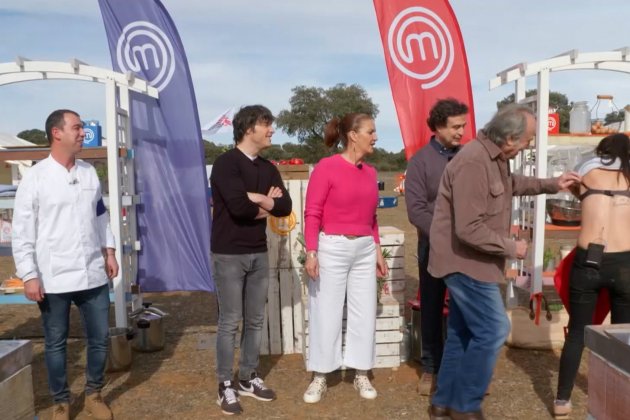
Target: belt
[(351, 236)]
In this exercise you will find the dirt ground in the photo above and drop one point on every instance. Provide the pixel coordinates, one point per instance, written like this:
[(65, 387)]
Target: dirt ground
[(179, 381)]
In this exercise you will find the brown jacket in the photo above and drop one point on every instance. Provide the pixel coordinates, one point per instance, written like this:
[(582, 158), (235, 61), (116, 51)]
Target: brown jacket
[(471, 223)]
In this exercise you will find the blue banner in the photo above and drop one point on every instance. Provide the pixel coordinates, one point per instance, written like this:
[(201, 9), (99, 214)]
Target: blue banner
[(174, 217)]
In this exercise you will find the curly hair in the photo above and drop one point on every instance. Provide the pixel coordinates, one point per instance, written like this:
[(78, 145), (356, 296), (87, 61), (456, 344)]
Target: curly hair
[(444, 108)]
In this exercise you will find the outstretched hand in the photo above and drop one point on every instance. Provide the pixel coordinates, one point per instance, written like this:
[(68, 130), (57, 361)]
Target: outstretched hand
[(568, 179)]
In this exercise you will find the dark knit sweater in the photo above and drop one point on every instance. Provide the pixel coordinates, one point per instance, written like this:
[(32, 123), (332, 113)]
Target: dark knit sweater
[(422, 180), (235, 229)]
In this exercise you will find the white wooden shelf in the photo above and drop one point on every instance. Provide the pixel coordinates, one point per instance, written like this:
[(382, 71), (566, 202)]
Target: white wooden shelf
[(575, 140)]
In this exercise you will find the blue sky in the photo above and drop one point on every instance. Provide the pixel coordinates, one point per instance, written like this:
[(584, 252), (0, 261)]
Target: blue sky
[(243, 51)]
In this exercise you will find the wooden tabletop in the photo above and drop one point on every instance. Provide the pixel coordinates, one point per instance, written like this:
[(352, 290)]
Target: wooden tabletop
[(39, 153)]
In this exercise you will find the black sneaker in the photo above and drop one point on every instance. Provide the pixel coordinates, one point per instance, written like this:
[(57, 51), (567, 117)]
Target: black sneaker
[(255, 387), (228, 399)]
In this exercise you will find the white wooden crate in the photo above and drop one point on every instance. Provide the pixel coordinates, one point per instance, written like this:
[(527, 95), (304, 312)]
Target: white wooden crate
[(390, 235), (283, 316)]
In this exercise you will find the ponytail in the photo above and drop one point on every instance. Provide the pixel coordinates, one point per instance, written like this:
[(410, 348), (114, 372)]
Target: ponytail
[(336, 130), (332, 136)]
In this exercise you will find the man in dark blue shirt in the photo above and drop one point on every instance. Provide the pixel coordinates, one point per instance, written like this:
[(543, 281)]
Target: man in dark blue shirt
[(246, 189)]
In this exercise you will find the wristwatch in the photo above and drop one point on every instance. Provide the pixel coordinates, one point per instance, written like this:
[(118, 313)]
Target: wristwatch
[(311, 254)]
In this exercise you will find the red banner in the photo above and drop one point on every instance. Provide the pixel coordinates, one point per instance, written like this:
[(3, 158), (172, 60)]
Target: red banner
[(426, 61)]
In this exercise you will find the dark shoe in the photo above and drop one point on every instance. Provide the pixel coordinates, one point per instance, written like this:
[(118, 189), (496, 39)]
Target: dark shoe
[(467, 415), (228, 399), (437, 412), (255, 387), (427, 384)]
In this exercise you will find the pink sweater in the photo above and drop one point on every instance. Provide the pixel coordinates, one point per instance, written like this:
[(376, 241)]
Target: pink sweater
[(341, 199)]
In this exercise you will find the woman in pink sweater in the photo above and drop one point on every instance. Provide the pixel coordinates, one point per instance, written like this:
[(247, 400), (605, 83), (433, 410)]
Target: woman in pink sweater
[(343, 255)]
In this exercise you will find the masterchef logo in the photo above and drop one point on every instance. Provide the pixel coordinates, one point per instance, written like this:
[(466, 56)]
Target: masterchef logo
[(553, 123), (421, 46), (89, 135), (144, 49)]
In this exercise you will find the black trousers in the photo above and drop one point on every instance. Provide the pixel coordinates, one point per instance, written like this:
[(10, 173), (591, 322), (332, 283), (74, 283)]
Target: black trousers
[(432, 292), (584, 287)]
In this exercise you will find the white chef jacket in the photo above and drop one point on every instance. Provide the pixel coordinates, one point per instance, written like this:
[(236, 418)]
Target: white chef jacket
[(57, 235)]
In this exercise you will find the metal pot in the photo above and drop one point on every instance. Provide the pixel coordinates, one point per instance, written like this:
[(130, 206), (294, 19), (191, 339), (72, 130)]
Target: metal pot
[(149, 327), (119, 352), (564, 212)]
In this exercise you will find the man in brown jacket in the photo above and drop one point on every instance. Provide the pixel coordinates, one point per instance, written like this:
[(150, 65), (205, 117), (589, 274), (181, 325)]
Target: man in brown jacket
[(470, 242)]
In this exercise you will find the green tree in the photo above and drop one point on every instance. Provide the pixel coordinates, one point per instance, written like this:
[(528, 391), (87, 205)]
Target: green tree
[(556, 100), (276, 152), (312, 107), (385, 161), (34, 136), (382, 159), (211, 151)]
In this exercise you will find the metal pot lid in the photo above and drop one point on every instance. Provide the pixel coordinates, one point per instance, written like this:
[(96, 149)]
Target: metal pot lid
[(149, 316)]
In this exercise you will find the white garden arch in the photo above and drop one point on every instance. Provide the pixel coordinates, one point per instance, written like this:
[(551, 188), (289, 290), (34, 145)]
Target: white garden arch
[(617, 60), (122, 194)]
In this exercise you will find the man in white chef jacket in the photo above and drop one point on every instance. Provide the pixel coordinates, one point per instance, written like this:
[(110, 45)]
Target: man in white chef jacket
[(64, 251)]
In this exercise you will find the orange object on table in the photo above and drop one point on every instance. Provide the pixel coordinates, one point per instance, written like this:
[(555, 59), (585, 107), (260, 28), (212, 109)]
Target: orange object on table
[(12, 285)]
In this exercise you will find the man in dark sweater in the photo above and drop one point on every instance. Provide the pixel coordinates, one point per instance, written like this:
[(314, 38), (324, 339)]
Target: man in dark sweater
[(447, 120), (246, 189)]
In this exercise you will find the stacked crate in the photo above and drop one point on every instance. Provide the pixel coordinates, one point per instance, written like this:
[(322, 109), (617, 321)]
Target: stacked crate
[(282, 328)]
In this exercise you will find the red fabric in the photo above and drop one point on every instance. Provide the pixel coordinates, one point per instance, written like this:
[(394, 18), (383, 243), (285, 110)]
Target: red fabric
[(426, 61), (561, 281)]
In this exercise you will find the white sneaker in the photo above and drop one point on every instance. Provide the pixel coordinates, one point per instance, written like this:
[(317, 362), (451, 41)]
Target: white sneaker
[(365, 388), (561, 409), (315, 390)]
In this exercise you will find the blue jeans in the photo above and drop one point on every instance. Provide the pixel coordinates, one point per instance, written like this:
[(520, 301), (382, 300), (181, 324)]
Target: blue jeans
[(242, 282), (93, 305), (477, 329)]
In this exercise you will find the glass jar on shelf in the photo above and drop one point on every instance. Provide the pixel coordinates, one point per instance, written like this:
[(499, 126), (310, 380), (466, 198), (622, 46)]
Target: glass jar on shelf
[(580, 118)]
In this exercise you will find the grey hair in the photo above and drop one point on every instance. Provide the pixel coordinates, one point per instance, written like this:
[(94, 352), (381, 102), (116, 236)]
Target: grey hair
[(509, 122)]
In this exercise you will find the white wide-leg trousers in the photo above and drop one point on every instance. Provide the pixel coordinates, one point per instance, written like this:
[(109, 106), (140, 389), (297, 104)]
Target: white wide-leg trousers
[(345, 266)]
